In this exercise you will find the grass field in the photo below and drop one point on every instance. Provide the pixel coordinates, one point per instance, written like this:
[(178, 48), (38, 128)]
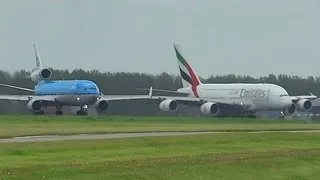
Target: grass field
[(45, 125), (214, 156)]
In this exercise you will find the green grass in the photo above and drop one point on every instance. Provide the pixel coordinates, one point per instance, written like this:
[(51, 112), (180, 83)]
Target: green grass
[(214, 156), (45, 125)]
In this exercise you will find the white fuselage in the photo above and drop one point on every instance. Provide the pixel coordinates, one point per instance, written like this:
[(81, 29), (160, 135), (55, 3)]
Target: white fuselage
[(257, 97)]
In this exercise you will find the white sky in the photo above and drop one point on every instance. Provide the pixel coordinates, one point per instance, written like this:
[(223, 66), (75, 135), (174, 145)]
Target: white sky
[(247, 37)]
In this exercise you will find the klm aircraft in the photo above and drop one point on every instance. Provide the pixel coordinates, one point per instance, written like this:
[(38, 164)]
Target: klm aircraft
[(63, 92)]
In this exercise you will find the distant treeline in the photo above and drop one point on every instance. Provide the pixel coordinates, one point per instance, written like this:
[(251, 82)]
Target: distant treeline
[(126, 83)]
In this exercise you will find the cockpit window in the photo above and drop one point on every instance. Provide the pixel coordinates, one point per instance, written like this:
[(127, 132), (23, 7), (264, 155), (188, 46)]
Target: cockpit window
[(282, 95), (89, 86)]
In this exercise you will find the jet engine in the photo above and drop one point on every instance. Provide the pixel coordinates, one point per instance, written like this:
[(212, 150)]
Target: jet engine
[(169, 105), (41, 74), (304, 105), (101, 105), (291, 109), (210, 108), (35, 105)]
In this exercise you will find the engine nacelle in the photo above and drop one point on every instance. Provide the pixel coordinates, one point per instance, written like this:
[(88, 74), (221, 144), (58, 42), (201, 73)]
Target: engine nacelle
[(304, 105), (41, 74), (35, 105), (101, 105), (210, 108), (291, 109), (169, 105)]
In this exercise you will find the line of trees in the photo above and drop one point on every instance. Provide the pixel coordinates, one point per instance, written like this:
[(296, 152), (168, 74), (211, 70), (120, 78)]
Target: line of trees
[(126, 83)]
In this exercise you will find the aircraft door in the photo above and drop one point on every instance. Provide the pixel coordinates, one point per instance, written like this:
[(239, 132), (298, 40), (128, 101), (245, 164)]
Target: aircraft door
[(268, 98)]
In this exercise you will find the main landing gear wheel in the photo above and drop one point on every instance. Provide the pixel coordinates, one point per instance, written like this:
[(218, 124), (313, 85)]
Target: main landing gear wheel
[(38, 113), (82, 113), (59, 112)]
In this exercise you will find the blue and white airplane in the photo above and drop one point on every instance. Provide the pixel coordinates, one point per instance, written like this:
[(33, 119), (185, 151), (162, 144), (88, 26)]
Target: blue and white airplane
[(61, 93)]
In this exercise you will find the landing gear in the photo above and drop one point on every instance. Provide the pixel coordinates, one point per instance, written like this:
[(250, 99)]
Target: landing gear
[(83, 111), (281, 115), (244, 115), (59, 112), (38, 113), (252, 115)]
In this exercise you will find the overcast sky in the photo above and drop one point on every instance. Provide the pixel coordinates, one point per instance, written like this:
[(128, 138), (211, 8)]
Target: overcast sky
[(247, 37)]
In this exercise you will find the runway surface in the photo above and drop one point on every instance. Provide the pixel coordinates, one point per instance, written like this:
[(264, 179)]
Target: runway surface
[(123, 135)]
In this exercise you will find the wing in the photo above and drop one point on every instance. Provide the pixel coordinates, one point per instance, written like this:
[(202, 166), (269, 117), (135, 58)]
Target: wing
[(15, 97), (17, 87), (310, 97), (182, 100), (27, 97), (164, 90), (192, 101), (124, 97)]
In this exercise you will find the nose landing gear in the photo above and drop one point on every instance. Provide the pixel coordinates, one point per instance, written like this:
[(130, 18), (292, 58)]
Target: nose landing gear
[(281, 115), (83, 111)]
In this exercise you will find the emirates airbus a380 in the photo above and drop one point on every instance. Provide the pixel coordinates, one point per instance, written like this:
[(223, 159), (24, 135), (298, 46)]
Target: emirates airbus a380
[(231, 98)]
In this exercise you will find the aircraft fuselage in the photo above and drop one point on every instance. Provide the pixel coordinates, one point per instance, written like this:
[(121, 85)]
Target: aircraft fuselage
[(258, 97), (69, 92)]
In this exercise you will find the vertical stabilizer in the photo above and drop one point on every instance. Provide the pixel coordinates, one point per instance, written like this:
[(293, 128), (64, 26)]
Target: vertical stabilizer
[(39, 73), (37, 55), (188, 76)]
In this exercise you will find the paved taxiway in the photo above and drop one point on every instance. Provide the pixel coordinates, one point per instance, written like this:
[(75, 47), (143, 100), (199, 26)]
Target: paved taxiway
[(123, 135)]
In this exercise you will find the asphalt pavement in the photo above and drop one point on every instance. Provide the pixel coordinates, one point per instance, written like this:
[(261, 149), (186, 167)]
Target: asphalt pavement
[(123, 135)]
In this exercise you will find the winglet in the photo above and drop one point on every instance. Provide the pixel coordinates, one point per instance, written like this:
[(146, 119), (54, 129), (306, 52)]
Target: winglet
[(313, 96), (150, 92)]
